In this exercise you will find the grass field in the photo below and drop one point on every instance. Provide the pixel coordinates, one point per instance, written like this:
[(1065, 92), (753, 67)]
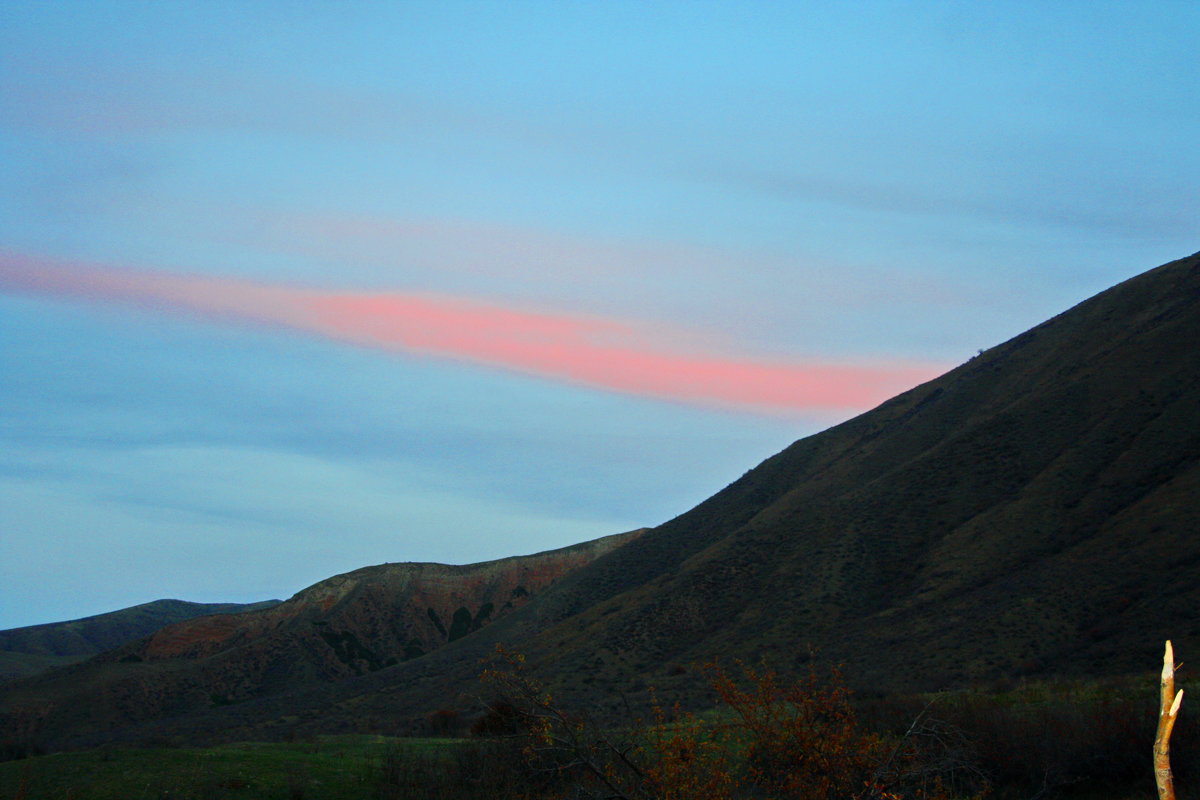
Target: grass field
[(1063, 739), (326, 768)]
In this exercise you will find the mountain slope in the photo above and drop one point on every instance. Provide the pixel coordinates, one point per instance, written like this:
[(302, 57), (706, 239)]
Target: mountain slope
[(1034, 510), (345, 626), (26, 651)]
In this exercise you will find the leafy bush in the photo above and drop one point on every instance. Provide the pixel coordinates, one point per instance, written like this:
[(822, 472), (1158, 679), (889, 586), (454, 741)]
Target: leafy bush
[(788, 741), (1054, 739)]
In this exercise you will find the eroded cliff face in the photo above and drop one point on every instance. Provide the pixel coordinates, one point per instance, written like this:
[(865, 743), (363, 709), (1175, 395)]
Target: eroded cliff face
[(348, 625)]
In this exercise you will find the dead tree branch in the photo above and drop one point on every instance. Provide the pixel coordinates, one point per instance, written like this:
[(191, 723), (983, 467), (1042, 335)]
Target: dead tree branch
[(1169, 702)]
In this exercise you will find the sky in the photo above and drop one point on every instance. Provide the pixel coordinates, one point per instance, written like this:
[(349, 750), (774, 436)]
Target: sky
[(291, 288)]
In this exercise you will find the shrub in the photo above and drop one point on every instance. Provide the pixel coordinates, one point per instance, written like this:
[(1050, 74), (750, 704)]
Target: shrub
[(445, 722), (787, 741), (501, 718), (803, 741)]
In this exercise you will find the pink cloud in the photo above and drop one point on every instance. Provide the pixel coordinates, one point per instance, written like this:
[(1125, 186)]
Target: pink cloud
[(608, 354)]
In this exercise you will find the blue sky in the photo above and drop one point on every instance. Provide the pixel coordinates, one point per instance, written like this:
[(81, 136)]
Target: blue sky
[(291, 288)]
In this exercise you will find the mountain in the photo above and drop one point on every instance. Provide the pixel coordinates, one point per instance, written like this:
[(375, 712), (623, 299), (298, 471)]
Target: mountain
[(1035, 510), (29, 650), (348, 625), (1032, 512)]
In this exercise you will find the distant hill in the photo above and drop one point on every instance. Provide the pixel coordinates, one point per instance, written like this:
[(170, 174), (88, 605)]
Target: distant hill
[(1032, 512), (345, 626), (29, 650)]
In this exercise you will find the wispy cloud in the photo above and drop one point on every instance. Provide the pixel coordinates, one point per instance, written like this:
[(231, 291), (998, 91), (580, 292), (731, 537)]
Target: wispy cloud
[(610, 354), (1068, 203)]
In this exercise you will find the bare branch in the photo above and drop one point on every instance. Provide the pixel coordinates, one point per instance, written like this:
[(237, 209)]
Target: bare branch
[(1169, 702)]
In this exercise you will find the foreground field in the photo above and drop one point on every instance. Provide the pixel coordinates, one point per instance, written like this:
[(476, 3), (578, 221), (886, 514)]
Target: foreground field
[(1085, 741), (326, 768)]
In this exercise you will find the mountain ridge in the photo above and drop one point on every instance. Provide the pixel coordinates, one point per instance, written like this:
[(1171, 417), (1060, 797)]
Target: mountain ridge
[(348, 625), (1031, 512), (31, 649)]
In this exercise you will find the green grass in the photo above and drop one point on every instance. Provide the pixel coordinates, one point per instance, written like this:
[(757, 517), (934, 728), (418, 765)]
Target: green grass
[(1077, 740), (326, 768)]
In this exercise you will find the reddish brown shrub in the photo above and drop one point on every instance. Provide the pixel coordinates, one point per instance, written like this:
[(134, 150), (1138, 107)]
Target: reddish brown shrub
[(785, 740)]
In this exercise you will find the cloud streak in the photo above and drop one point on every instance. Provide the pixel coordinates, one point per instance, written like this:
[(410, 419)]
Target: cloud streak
[(609, 354), (1059, 205)]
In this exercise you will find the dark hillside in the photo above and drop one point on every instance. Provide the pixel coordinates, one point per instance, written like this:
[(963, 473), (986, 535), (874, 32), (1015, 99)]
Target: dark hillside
[(1034, 511), (26, 651), (350, 625)]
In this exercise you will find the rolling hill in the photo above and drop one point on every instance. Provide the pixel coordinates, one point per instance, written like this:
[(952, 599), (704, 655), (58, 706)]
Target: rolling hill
[(32, 649), (1031, 512), (353, 624)]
